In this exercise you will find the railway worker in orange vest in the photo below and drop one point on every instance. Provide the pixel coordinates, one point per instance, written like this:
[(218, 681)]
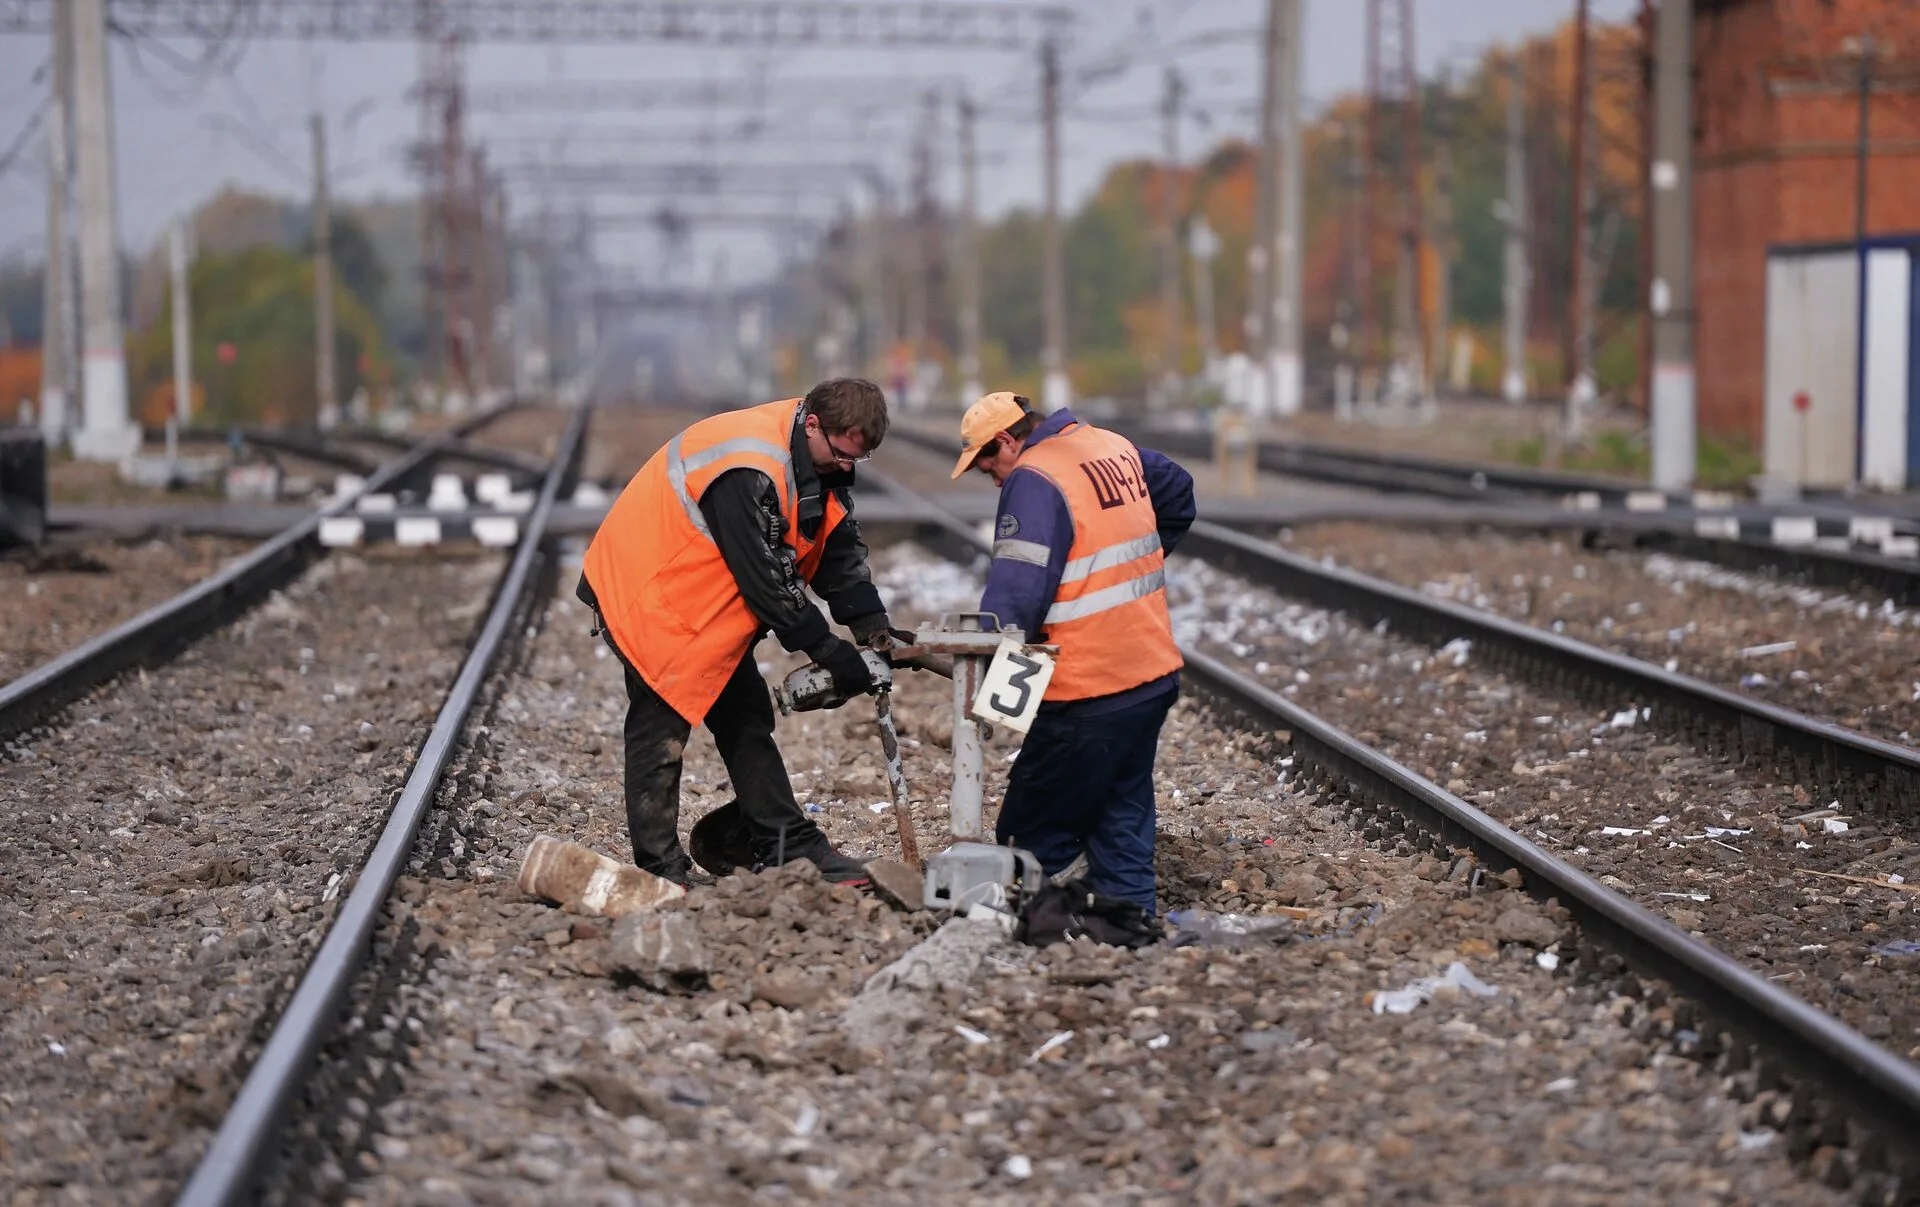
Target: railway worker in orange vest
[(1084, 525), (711, 546)]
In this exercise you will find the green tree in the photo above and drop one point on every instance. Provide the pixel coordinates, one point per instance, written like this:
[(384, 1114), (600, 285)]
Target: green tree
[(260, 303)]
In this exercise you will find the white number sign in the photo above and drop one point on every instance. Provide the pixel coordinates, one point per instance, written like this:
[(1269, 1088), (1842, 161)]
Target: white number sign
[(1010, 691)]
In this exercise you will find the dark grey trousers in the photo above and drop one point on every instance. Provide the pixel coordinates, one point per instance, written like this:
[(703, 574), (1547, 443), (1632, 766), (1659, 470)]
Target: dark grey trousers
[(741, 722)]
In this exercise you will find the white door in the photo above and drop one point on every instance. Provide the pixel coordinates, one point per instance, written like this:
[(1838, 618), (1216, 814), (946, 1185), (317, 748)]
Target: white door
[(1812, 355)]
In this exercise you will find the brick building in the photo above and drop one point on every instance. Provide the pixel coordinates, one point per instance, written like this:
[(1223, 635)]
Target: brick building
[(1776, 125)]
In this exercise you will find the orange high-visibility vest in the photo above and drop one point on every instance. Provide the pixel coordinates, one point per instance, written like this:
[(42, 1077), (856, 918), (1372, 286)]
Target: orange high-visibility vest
[(1109, 615), (665, 593)]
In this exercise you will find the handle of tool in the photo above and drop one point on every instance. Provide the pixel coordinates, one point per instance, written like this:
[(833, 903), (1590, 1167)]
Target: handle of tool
[(897, 780), (920, 660)]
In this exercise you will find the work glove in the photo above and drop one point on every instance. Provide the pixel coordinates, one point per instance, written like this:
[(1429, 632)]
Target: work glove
[(841, 657), (876, 632)]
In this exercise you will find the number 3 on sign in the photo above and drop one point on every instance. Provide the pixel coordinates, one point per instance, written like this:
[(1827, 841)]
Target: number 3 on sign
[(1010, 691)]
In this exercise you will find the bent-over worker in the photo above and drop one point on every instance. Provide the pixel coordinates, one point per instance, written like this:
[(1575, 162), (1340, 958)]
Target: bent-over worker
[(1085, 521), (711, 546)]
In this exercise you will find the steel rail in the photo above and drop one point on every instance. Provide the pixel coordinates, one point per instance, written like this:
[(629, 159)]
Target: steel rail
[(154, 634), (1881, 776), (1401, 473), (227, 1172), (1517, 487), (1876, 1087)]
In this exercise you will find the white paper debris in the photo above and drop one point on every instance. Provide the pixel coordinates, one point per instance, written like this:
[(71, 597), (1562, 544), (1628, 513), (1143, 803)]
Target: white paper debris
[(1058, 1041), (1159, 1041), (1017, 1167), (1457, 651), (1626, 718), (970, 1035), (1725, 832), (1547, 960), (1771, 647), (1750, 1141), (1404, 1000), (1686, 896), (1561, 1086), (1622, 831), (1834, 825), (56, 1048)]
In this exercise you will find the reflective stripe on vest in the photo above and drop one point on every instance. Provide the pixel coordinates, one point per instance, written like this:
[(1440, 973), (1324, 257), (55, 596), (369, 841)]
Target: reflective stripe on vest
[(678, 467), (1109, 613), (1108, 598)]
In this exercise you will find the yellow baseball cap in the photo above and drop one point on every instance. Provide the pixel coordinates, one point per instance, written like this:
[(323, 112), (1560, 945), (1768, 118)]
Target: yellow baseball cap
[(985, 419)]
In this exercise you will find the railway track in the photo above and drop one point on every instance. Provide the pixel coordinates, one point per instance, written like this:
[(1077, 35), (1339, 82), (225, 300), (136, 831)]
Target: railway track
[(474, 1045), (155, 634), (1694, 991), (159, 904), (1842, 544)]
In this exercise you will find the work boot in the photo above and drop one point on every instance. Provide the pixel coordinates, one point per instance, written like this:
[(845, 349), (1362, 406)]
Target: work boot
[(834, 867), (681, 871)]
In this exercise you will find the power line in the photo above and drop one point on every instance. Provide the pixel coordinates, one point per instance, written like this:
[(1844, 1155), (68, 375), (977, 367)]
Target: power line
[(19, 143), (943, 23)]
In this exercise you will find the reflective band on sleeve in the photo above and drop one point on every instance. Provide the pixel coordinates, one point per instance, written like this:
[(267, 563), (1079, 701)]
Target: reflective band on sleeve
[(677, 478), (679, 467), (1032, 552), (1107, 598), (1102, 559)]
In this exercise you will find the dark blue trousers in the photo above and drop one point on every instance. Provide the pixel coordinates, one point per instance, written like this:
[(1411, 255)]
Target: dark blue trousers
[(1085, 783)]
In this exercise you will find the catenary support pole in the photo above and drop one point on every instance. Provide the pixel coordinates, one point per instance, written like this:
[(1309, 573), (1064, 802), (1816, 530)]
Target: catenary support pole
[(1517, 273), (1168, 387), (1579, 333), (106, 432), (325, 389), (1259, 333), (182, 413), (1670, 295), (57, 377), (1863, 153), (970, 387), (1286, 366), (1056, 389)]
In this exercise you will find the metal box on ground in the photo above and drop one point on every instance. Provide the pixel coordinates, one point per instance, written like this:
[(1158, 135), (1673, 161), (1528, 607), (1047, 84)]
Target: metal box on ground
[(977, 873), (23, 487)]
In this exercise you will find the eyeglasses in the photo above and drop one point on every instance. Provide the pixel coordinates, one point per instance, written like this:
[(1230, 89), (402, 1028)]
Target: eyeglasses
[(845, 458)]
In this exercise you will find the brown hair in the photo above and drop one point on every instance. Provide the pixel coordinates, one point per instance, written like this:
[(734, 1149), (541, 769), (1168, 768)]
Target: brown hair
[(850, 404)]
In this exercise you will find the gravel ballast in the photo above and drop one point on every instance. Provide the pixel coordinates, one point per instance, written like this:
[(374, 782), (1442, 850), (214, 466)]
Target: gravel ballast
[(59, 596), (176, 845), (536, 1070), (1845, 658), (1724, 850)]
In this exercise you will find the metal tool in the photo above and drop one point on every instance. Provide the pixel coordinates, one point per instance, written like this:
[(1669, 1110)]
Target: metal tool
[(967, 874), (897, 780), (972, 639), (811, 687)]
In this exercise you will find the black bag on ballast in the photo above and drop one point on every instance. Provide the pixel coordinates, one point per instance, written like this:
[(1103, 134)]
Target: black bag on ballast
[(1061, 912)]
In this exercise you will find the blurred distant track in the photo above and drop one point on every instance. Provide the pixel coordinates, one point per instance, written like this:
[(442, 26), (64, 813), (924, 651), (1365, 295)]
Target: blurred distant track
[(946, 23)]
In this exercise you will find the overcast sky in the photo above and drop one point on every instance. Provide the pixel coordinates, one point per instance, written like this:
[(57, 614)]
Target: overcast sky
[(182, 134)]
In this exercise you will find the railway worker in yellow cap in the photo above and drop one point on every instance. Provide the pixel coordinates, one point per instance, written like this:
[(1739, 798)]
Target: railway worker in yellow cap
[(1085, 522), (712, 545)]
